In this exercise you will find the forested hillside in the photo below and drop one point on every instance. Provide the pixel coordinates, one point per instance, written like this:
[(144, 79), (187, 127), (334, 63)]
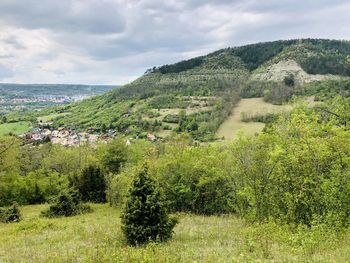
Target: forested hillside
[(279, 193), (198, 94)]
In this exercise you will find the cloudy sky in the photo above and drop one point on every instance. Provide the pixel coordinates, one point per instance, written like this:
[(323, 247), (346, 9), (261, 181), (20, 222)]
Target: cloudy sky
[(115, 41)]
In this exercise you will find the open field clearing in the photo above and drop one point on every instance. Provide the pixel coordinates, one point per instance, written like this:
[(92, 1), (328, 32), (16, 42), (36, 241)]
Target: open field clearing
[(50, 117), (233, 124), (15, 128), (96, 237)]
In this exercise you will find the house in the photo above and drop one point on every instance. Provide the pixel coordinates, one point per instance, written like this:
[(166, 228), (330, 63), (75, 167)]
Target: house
[(46, 132), (63, 133), (151, 137)]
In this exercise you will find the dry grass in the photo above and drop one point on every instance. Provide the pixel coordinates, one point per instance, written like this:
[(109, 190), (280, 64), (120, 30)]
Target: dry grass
[(96, 237), (233, 124)]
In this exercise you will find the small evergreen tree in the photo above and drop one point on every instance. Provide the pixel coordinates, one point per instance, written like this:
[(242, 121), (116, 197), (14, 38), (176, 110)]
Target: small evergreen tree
[(67, 203), (37, 195), (92, 184), (10, 214), (145, 216)]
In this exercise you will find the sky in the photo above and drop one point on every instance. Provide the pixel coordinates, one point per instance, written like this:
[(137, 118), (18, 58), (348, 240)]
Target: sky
[(115, 41)]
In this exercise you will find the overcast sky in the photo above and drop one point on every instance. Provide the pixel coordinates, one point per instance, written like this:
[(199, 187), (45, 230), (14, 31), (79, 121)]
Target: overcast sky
[(115, 41)]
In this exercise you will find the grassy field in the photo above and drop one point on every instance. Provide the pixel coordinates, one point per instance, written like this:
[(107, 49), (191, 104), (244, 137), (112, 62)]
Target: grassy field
[(96, 237), (16, 128), (234, 124), (50, 117)]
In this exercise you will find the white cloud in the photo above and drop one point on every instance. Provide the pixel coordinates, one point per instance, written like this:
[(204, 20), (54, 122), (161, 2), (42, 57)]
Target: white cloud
[(114, 41)]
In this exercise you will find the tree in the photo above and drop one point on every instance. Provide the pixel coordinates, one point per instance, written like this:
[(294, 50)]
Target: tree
[(145, 216), (289, 80), (10, 214), (113, 155), (67, 203), (92, 184)]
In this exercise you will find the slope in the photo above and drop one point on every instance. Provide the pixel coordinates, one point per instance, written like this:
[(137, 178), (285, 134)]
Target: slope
[(196, 95)]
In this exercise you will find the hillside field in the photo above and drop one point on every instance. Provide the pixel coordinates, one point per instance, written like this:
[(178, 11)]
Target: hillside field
[(233, 124), (15, 128), (96, 237)]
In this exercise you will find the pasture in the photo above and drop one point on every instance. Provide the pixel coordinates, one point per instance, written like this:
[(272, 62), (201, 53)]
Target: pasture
[(15, 128), (234, 124), (96, 237)]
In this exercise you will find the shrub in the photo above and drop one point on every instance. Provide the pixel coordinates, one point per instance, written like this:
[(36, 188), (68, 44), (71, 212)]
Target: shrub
[(92, 184), (113, 156), (214, 194), (67, 203), (145, 216), (10, 214)]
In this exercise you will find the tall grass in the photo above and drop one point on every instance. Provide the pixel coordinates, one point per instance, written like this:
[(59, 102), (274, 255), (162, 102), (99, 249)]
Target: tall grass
[(96, 237)]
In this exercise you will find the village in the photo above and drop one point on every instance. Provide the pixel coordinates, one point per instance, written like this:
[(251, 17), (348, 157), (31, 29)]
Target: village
[(70, 137)]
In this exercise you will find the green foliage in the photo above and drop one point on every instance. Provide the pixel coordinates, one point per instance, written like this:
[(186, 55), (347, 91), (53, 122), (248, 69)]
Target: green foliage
[(97, 238), (254, 89), (180, 66), (91, 184), (326, 90), (291, 172), (11, 214), (67, 203), (14, 128), (113, 156), (194, 181), (256, 54), (145, 217), (167, 101), (264, 118), (33, 188), (278, 93), (289, 80)]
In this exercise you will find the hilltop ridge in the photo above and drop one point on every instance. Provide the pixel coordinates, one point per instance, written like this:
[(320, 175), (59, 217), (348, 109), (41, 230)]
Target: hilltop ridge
[(197, 95)]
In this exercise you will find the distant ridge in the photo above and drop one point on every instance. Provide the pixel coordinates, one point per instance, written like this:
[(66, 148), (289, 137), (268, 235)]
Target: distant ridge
[(196, 95)]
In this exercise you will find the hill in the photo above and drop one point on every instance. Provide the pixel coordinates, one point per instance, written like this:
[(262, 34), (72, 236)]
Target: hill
[(198, 94)]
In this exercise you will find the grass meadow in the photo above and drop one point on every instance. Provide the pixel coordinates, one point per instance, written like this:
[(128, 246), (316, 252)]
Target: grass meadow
[(233, 124), (15, 128), (96, 237)]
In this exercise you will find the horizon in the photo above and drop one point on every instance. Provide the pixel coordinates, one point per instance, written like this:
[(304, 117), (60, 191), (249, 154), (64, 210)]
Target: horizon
[(115, 41), (120, 85)]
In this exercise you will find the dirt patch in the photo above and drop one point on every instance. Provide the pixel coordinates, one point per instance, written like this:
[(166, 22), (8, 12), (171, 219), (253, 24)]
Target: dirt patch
[(278, 71)]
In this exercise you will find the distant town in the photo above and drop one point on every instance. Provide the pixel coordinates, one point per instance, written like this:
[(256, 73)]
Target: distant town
[(18, 97), (69, 137)]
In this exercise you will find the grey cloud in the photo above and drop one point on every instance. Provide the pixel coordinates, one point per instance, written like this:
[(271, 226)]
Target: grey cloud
[(104, 41), (91, 16), (5, 72), (13, 41)]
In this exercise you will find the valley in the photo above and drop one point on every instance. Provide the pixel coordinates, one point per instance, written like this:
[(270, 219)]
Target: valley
[(239, 155), (19, 97), (196, 96)]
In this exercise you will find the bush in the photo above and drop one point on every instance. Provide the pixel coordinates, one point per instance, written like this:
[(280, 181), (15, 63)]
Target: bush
[(113, 156), (10, 214), (67, 203), (145, 216), (92, 184), (278, 94)]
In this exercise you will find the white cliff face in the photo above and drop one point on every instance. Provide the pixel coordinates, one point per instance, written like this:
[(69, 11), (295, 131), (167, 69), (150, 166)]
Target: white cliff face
[(278, 71)]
